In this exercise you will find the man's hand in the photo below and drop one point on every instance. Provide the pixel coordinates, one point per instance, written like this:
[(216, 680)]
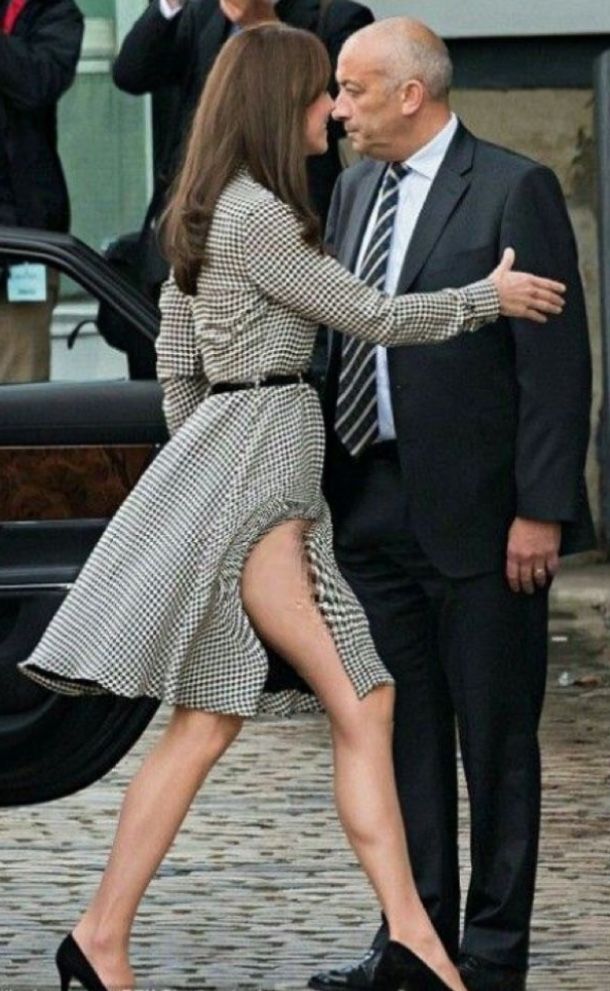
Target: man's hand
[(247, 13), (532, 554), (527, 296)]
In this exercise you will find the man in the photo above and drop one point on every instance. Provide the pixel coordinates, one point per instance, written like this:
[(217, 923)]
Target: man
[(455, 475), (40, 43)]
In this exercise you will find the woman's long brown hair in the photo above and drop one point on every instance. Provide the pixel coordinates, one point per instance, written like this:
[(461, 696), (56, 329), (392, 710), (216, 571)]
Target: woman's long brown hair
[(251, 113)]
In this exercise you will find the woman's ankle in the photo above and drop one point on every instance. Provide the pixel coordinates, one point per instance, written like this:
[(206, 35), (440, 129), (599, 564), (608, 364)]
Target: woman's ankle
[(107, 953), (101, 938)]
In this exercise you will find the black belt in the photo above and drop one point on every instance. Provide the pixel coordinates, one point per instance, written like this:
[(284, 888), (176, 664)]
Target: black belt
[(270, 380)]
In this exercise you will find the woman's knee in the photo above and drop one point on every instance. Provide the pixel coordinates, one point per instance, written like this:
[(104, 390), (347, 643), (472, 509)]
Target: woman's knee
[(380, 703), (374, 712), (206, 733)]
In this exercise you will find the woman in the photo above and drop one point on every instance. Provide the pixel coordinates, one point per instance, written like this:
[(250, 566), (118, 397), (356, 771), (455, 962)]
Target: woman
[(225, 544)]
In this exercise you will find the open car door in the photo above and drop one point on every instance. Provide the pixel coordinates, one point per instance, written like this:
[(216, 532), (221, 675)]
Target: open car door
[(70, 451)]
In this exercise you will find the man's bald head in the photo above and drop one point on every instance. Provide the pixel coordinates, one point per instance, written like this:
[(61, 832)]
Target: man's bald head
[(406, 49)]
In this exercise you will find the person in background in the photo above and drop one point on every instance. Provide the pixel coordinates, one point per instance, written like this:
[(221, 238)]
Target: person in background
[(174, 44), (40, 43)]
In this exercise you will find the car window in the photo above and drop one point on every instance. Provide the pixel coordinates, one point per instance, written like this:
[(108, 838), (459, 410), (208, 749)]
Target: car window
[(52, 329)]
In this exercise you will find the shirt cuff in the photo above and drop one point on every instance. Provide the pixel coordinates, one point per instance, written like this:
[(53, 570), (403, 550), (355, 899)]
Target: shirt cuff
[(168, 11)]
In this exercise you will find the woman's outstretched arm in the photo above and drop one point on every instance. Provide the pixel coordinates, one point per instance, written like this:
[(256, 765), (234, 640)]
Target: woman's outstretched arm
[(323, 291)]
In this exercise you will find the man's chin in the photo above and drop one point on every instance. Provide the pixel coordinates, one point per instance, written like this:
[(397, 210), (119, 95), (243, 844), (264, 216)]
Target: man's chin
[(357, 144)]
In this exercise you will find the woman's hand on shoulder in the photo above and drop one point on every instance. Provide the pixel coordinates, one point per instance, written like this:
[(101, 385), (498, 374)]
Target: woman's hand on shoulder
[(529, 297)]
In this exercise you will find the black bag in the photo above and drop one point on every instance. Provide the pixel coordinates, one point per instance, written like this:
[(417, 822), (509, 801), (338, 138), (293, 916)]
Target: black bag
[(123, 255), (137, 257)]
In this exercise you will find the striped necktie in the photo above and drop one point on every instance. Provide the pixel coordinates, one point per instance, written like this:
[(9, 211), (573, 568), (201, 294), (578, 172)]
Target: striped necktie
[(356, 420)]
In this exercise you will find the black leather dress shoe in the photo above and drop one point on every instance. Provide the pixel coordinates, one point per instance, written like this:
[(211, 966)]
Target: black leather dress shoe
[(479, 975), (358, 976)]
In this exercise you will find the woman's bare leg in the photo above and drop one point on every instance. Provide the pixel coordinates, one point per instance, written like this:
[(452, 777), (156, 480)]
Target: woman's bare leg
[(153, 809), (278, 596)]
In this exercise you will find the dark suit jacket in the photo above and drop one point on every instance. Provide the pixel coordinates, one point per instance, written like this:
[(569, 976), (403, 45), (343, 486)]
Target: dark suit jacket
[(495, 424), (159, 52), (37, 65)]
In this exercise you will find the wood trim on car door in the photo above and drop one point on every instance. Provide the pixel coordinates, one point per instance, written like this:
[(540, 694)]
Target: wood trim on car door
[(68, 482)]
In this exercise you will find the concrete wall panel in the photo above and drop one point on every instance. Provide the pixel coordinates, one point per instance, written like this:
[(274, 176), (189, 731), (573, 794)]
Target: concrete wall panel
[(511, 18)]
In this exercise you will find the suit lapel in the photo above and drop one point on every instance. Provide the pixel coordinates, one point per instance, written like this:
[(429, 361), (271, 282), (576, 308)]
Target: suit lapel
[(349, 242), (212, 36), (364, 200), (448, 188)]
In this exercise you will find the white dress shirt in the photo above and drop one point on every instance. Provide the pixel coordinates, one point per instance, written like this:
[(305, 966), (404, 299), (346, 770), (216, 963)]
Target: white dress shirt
[(412, 192), (168, 11)]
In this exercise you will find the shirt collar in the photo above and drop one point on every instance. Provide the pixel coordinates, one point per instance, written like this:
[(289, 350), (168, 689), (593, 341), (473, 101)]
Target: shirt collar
[(428, 160)]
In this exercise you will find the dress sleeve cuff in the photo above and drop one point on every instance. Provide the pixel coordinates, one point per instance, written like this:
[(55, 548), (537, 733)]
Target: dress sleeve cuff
[(483, 300)]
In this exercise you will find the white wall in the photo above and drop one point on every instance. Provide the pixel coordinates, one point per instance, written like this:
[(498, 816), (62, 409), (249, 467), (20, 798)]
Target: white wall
[(489, 18)]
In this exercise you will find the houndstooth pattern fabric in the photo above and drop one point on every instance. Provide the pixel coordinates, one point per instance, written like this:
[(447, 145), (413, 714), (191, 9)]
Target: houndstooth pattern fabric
[(156, 610), (356, 417)]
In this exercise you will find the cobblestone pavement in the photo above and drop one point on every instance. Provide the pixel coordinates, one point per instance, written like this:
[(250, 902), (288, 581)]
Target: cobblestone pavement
[(260, 888)]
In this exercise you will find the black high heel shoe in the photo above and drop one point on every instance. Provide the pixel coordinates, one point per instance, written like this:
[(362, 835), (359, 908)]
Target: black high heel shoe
[(399, 969), (72, 963)]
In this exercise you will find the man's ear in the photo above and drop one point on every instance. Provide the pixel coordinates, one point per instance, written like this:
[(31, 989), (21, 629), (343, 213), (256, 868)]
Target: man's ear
[(412, 96)]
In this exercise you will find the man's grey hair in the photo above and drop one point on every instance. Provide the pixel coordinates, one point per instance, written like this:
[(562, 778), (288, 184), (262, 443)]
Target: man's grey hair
[(410, 51), (410, 59)]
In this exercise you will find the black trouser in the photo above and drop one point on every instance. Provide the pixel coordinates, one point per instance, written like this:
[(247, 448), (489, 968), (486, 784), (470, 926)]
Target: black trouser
[(466, 648)]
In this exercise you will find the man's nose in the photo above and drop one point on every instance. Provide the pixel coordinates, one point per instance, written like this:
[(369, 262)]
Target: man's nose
[(338, 111)]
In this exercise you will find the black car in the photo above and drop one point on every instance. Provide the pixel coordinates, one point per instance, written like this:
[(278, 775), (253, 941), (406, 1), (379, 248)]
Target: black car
[(70, 451)]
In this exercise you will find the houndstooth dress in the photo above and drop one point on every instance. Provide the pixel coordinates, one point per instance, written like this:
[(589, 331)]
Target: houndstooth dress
[(156, 610)]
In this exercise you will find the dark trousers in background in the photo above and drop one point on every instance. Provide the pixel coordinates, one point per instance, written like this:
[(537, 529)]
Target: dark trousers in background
[(466, 649), (25, 336)]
